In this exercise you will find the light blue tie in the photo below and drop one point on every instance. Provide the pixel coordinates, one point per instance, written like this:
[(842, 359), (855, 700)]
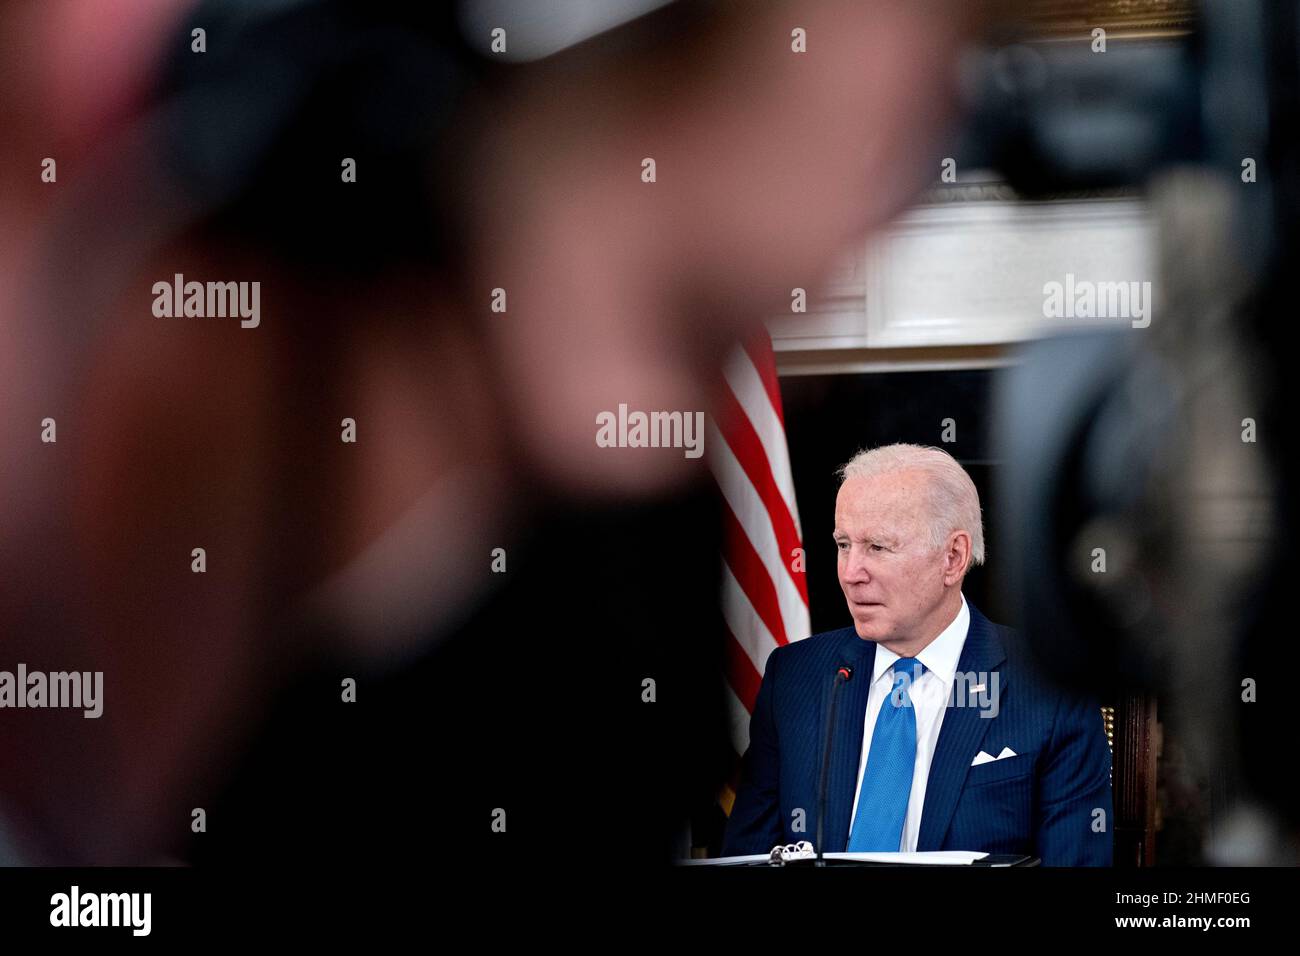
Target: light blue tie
[(887, 780)]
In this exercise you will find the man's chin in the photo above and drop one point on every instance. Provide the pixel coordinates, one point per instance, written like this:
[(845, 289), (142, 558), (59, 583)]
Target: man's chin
[(870, 630)]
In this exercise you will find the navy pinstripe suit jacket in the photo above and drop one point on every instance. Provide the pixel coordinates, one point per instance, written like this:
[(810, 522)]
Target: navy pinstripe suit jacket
[(1052, 800)]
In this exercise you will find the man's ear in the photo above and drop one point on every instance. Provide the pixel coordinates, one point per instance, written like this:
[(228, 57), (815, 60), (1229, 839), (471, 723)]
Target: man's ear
[(957, 555)]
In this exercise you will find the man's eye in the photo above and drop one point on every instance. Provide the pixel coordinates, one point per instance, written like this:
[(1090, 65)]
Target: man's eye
[(877, 547)]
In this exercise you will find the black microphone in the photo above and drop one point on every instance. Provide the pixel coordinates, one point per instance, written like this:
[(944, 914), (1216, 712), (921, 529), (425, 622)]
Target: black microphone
[(842, 676)]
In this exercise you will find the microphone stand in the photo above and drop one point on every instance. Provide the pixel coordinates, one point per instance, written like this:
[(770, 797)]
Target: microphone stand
[(841, 677)]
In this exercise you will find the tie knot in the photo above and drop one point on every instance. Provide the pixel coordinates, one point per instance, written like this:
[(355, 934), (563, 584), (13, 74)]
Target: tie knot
[(909, 666)]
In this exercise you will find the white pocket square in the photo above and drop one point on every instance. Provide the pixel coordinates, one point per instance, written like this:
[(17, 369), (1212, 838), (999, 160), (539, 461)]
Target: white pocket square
[(983, 757)]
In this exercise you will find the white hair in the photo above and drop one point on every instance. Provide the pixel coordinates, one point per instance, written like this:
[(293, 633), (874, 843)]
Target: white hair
[(954, 502)]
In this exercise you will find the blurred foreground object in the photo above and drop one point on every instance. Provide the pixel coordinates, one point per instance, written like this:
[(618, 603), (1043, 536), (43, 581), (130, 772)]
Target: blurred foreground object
[(1138, 447)]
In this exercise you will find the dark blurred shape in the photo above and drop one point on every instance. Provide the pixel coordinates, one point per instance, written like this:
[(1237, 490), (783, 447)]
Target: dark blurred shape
[(533, 704), (1055, 116), (1131, 440), (285, 86)]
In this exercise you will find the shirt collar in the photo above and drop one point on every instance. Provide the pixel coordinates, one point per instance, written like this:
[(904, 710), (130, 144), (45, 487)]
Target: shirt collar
[(940, 656)]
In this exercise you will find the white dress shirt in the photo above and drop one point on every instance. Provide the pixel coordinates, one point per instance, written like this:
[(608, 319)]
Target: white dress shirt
[(929, 702)]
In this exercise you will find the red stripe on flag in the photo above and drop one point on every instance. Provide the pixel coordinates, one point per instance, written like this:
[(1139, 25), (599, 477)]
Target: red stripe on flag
[(751, 573), (741, 674), (744, 442)]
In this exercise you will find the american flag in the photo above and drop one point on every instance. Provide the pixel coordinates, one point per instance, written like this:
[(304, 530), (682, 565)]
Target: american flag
[(764, 591)]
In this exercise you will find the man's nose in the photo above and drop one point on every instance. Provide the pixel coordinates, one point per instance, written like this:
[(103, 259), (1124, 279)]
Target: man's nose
[(855, 566)]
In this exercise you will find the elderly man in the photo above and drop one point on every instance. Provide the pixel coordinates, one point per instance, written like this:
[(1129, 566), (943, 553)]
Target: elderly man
[(942, 737)]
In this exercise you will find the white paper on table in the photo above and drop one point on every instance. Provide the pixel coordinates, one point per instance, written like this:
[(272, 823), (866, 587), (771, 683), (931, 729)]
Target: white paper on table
[(726, 860), (932, 857)]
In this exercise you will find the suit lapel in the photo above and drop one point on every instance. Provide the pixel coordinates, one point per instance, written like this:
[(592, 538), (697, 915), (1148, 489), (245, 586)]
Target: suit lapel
[(961, 734), (846, 750)]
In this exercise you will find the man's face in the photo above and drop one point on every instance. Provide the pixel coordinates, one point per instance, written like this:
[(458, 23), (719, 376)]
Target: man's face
[(892, 579)]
